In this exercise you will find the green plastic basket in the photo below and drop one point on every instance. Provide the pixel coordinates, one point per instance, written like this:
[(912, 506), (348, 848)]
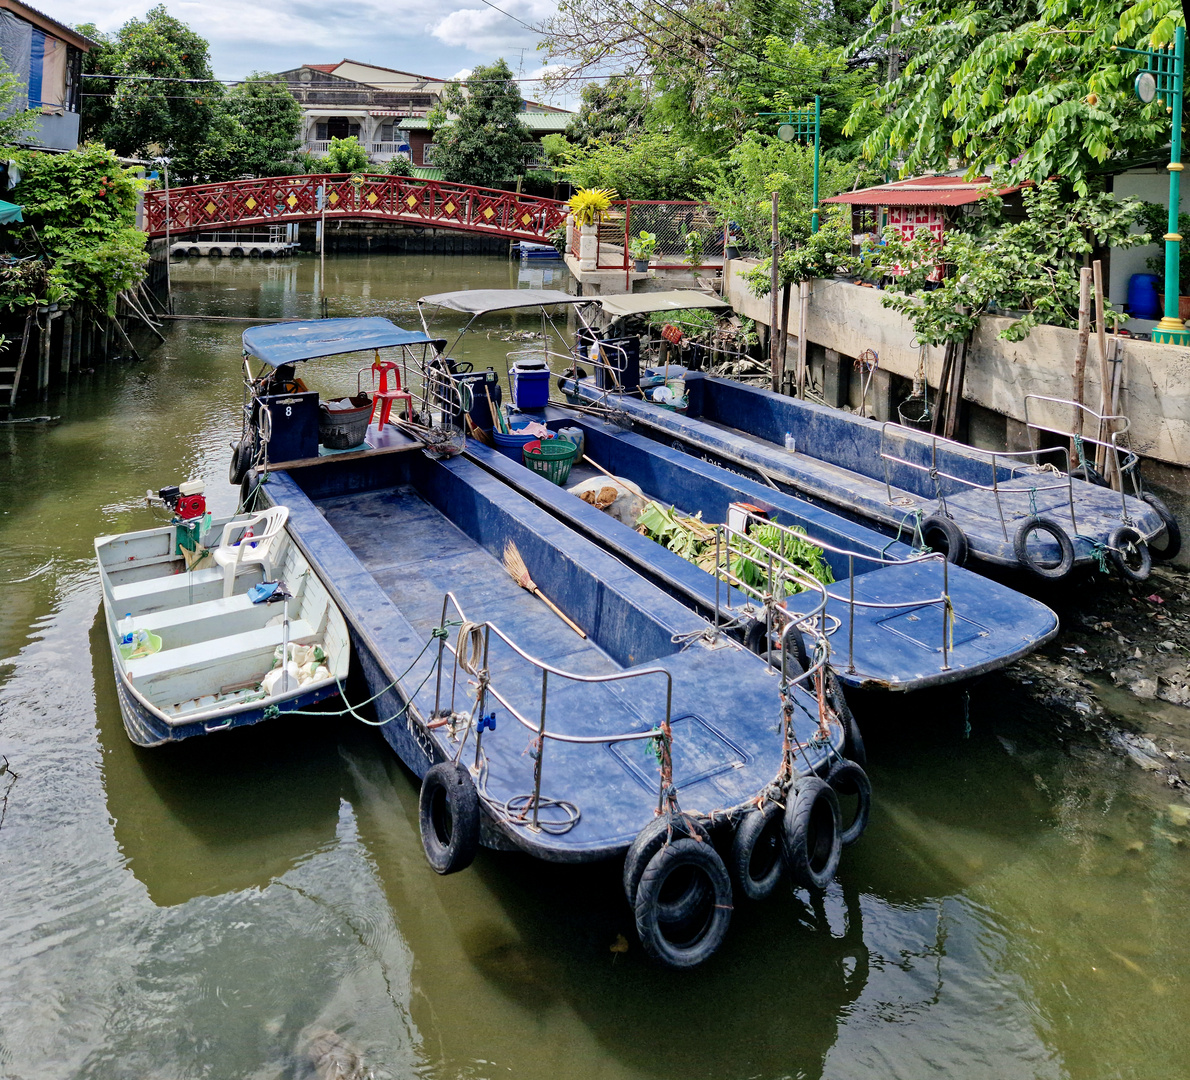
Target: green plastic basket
[(552, 458)]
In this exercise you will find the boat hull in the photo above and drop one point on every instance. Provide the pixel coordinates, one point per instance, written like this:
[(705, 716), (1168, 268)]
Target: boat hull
[(844, 462), (895, 646), (389, 536)]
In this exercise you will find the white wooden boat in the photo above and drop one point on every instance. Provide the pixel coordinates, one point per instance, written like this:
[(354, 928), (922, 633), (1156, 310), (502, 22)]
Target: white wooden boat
[(202, 648)]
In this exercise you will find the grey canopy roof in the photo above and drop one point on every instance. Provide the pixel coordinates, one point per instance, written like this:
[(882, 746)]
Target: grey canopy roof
[(481, 301), (674, 300), (307, 339)]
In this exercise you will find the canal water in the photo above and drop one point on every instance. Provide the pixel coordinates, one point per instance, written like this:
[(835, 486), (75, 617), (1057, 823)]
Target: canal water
[(1017, 909)]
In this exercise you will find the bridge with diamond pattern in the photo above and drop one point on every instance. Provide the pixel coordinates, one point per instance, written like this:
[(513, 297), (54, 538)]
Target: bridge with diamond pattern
[(403, 199)]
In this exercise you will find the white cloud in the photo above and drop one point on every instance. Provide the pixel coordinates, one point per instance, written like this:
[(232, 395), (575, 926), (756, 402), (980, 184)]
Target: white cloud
[(464, 73), (273, 37)]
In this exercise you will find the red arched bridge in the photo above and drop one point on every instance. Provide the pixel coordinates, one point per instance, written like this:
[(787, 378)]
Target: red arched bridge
[(402, 199)]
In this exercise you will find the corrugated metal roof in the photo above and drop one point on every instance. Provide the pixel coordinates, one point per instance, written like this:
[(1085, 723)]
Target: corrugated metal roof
[(425, 172), (923, 191)]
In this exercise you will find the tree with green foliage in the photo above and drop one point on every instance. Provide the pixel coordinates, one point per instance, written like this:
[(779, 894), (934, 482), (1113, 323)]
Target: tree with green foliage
[(762, 164), (478, 135), (1028, 90), (183, 120), (609, 112), (653, 165), (710, 67), (270, 122), (345, 156), (83, 208)]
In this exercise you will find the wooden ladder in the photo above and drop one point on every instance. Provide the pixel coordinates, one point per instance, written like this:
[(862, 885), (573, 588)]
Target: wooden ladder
[(14, 373)]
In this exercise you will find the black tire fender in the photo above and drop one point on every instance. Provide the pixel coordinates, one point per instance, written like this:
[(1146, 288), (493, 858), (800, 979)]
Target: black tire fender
[(1173, 533), (812, 833), (662, 830), (853, 740), (756, 859), (848, 778), (1020, 548), (695, 938), (448, 817), (1090, 475), (1125, 541), (241, 462), (940, 533)]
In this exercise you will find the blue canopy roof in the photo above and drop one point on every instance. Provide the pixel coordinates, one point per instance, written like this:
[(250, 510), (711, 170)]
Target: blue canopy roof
[(287, 343)]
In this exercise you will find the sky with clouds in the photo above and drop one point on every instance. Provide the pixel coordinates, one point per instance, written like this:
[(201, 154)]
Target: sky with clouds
[(440, 38)]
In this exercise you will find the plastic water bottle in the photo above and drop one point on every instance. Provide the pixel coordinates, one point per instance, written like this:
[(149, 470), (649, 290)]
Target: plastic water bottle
[(125, 629), (790, 442)]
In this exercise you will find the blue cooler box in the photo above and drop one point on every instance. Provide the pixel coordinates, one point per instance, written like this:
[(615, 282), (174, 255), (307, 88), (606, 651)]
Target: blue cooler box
[(529, 381)]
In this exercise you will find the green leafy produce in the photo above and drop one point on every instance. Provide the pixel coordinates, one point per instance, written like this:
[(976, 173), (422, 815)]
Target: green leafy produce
[(694, 540)]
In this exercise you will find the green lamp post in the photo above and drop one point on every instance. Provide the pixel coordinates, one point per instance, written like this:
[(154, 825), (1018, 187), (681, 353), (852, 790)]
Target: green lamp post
[(803, 125), (1163, 77)]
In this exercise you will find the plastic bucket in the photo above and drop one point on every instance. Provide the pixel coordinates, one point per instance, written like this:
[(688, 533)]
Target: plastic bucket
[(916, 413), (511, 445), (1144, 300)]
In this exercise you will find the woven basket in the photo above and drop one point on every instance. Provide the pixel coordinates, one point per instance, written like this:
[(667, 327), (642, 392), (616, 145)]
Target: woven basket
[(552, 458)]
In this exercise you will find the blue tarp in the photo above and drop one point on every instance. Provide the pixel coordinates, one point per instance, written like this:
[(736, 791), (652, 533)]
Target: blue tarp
[(287, 343)]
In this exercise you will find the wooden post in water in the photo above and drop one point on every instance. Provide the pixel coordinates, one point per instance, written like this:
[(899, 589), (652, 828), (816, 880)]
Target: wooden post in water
[(774, 358), (67, 342), (43, 359)]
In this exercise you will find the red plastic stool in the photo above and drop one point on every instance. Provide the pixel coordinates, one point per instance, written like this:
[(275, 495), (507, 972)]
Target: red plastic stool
[(384, 396)]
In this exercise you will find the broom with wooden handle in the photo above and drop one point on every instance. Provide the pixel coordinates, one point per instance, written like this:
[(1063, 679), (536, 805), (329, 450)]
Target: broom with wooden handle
[(519, 572)]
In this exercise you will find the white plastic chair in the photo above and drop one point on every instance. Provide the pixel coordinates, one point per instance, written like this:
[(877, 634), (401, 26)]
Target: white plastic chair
[(266, 527)]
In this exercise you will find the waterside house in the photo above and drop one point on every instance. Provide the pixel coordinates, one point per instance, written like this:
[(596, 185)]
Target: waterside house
[(386, 110), (47, 59)]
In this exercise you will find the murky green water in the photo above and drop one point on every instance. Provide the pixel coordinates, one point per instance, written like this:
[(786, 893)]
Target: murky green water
[(1015, 910)]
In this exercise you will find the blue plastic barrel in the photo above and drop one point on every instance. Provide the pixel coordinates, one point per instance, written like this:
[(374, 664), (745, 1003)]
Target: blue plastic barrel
[(1144, 296)]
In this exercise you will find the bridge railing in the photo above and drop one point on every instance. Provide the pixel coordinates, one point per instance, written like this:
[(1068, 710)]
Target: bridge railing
[(276, 200), (671, 222)]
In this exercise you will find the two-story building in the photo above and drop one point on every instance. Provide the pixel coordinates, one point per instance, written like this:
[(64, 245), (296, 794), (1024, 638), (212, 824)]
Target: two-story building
[(386, 110), (47, 59)]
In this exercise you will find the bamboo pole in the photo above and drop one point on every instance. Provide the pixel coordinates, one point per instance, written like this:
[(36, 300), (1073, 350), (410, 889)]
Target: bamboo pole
[(1080, 354), (784, 342), (774, 276), (1104, 367), (802, 344)]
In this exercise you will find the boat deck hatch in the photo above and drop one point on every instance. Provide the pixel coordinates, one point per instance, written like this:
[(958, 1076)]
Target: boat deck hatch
[(699, 752), (923, 626)]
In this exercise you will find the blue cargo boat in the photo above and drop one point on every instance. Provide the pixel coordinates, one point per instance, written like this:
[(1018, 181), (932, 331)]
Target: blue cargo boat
[(897, 619), (1007, 509), (551, 700)]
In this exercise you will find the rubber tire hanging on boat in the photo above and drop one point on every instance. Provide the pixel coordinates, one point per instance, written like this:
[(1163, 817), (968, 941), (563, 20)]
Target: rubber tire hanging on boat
[(848, 778), (1173, 532), (241, 462), (1020, 548), (757, 861), (812, 833), (954, 540), (650, 840), (799, 661), (853, 740), (448, 817), (688, 941), (1089, 474), (1122, 538)]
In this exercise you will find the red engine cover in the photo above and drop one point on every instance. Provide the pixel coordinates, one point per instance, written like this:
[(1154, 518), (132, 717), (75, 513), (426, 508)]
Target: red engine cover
[(191, 506)]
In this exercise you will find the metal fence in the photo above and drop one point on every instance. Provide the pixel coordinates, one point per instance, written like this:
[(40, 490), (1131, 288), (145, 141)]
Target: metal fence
[(689, 235)]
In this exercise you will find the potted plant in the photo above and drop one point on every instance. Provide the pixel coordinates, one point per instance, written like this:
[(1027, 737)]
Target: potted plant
[(587, 207), (641, 249)]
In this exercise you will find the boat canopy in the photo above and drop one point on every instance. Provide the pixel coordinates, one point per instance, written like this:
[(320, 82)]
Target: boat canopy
[(287, 343), (644, 303), (481, 301)]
